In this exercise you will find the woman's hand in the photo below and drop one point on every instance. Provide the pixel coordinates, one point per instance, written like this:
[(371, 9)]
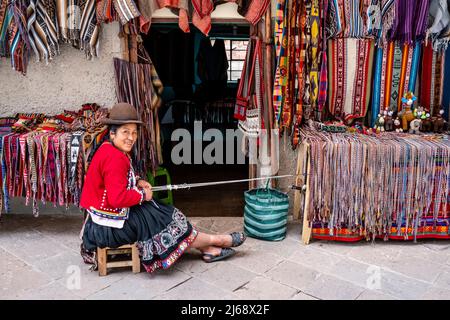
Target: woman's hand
[(144, 184), (148, 192)]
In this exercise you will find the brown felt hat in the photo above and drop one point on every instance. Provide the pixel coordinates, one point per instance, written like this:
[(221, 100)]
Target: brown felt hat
[(122, 113)]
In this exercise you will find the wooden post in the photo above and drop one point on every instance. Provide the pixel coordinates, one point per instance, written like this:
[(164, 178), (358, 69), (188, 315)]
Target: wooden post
[(123, 35), (306, 233), (101, 260), (300, 180), (135, 259), (252, 169), (268, 77), (133, 48)]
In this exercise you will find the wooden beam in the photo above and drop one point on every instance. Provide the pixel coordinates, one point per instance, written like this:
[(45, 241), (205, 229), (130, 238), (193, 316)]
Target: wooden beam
[(307, 230), (135, 259), (300, 181), (101, 259)]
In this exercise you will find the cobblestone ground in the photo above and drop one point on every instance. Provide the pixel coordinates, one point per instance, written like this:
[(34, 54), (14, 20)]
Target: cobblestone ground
[(39, 259)]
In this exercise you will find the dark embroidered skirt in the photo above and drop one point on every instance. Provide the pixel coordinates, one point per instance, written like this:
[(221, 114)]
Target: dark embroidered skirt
[(162, 233)]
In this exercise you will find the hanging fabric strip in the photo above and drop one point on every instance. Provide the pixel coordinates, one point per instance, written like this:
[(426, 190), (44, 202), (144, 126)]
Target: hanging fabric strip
[(396, 75), (437, 83), (314, 53), (300, 40), (383, 75), (376, 86), (426, 77), (414, 67), (75, 147), (281, 66), (6, 165), (388, 82), (408, 69), (387, 19), (351, 63), (307, 107), (446, 86), (288, 61), (336, 90), (402, 81), (333, 23), (323, 78), (89, 29)]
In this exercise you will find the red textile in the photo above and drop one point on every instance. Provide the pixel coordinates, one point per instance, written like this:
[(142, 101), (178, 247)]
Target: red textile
[(201, 17), (108, 171), (426, 79), (256, 10)]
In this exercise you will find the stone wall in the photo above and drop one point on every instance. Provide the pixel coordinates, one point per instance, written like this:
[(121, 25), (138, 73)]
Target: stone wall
[(67, 82)]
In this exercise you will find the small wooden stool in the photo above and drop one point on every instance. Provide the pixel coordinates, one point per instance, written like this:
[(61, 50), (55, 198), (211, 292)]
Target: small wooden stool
[(102, 258)]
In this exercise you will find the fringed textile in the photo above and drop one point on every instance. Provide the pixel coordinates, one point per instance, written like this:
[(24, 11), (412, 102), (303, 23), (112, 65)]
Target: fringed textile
[(135, 84), (392, 186), (40, 160), (439, 27)]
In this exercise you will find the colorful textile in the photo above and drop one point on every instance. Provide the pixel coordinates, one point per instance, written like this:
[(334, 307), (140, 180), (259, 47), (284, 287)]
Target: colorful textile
[(288, 62), (439, 25), (89, 30), (38, 26), (350, 70), (367, 187), (300, 60), (414, 67), (431, 79), (39, 158), (139, 85), (396, 76), (323, 75), (280, 31), (388, 13), (333, 20), (256, 10), (446, 86), (127, 10), (314, 53), (410, 20), (250, 92), (376, 90)]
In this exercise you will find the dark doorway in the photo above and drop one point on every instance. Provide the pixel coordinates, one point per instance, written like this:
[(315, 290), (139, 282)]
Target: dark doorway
[(200, 77)]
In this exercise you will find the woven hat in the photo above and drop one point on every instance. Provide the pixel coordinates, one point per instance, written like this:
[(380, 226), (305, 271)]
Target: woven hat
[(122, 113)]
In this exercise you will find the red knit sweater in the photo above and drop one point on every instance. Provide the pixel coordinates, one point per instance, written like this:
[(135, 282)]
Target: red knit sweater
[(106, 186)]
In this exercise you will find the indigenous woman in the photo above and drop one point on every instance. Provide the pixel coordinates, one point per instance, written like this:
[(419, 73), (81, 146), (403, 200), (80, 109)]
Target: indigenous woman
[(121, 209)]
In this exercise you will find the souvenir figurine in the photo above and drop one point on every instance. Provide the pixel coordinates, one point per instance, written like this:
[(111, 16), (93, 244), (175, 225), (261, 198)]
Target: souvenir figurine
[(427, 124), (414, 126), (388, 122), (398, 125), (379, 124), (439, 122), (406, 114)]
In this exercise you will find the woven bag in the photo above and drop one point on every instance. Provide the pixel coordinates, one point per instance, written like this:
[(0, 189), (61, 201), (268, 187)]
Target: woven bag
[(266, 214)]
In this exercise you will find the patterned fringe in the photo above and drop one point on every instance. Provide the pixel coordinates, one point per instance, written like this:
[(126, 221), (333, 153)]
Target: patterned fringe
[(368, 186), (139, 85)]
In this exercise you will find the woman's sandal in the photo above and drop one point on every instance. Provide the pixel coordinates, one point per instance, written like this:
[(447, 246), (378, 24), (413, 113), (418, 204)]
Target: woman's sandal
[(237, 238), (224, 253)]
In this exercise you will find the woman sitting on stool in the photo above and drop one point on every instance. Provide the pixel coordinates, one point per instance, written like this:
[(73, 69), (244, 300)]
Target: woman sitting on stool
[(121, 209)]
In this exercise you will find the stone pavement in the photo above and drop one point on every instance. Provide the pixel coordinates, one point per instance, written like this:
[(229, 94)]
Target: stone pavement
[(39, 259)]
